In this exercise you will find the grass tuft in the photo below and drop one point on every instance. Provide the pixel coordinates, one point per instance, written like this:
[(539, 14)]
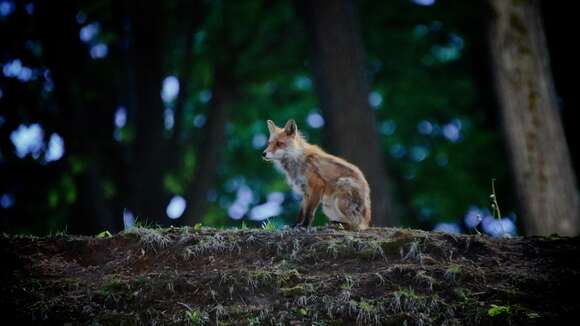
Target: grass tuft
[(151, 238)]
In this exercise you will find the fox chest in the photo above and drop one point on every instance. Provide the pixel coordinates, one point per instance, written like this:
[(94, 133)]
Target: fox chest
[(294, 176)]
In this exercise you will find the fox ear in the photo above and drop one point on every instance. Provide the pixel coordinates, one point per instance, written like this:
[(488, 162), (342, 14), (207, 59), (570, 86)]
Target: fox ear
[(271, 126), (290, 127)]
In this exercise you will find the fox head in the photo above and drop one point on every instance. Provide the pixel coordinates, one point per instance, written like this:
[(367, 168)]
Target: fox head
[(283, 142)]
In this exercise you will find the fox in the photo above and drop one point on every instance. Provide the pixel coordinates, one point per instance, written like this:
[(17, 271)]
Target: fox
[(320, 178)]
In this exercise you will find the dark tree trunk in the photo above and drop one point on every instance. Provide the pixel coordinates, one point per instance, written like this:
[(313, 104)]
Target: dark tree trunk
[(540, 159), (95, 217), (209, 152), (149, 152), (192, 13), (340, 77), (84, 130), (557, 16)]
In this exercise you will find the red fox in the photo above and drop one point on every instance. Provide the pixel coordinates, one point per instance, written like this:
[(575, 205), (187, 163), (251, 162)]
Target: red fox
[(321, 178)]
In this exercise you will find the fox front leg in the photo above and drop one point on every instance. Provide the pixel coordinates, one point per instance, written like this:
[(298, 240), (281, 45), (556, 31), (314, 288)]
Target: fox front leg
[(310, 205), (300, 219)]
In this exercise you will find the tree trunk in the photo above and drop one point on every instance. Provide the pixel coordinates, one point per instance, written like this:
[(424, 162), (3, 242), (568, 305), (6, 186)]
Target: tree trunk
[(341, 81), (149, 160), (67, 60), (193, 14), (557, 16), (540, 159), (209, 151)]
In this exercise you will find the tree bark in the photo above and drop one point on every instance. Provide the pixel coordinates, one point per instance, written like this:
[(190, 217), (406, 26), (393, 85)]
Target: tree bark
[(557, 17), (540, 159), (210, 150), (340, 77), (149, 160), (85, 129), (192, 13)]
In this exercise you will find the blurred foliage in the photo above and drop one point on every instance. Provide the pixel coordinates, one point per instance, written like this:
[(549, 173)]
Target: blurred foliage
[(423, 67), (435, 124)]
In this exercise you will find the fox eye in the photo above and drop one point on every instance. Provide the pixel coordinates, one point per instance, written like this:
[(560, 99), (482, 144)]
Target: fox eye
[(279, 143)]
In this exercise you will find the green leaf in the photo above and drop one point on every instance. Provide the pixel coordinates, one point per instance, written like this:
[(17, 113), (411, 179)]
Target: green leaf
[(104, 234), (496, 310)]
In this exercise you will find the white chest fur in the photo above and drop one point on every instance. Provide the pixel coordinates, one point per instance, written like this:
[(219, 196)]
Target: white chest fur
[(294, 174)]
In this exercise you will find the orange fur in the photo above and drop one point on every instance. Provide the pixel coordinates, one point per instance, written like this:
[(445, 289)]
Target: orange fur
[(321, 178)]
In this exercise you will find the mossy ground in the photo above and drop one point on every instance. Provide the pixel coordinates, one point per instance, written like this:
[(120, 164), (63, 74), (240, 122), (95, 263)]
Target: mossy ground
[(311, 277)]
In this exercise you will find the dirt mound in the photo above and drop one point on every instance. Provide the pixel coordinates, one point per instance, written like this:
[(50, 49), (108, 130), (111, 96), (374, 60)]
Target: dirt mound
[(314, 277)]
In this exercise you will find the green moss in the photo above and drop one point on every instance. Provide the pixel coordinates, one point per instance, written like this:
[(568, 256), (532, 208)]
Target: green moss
[(253, 321), (393, 248), (303, 312), (533, 98), (408, 293), (517, 24), (333, 248), (452, 272), (367, 253), (524, 49), (295, 291), (496, 310), (112, 286), (286, 277), (372, 249), (348, 283), (253, 279), (195, 317)]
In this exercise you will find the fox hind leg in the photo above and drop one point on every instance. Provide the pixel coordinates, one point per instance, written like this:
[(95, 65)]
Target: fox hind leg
[(352, 208), (337, 210)]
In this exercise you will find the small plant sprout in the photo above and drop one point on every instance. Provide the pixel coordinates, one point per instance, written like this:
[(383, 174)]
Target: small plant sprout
[(220, 311), (269, 226), (346, 287), (253, 321), (478, 223), (332, 248), (348, 283), (452, 271), (61, 232), (495, 207), (151, 238), (194, 316), (381, 279), (303, 312), (104, 234), (496, 310)]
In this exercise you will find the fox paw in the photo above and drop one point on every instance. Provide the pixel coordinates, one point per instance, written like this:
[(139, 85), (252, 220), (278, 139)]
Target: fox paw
[(298, 225), (335, 226)]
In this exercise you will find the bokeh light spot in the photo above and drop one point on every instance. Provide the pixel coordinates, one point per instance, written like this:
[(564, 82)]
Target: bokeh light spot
[(315, 120), (170, 89), (176, 207)]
